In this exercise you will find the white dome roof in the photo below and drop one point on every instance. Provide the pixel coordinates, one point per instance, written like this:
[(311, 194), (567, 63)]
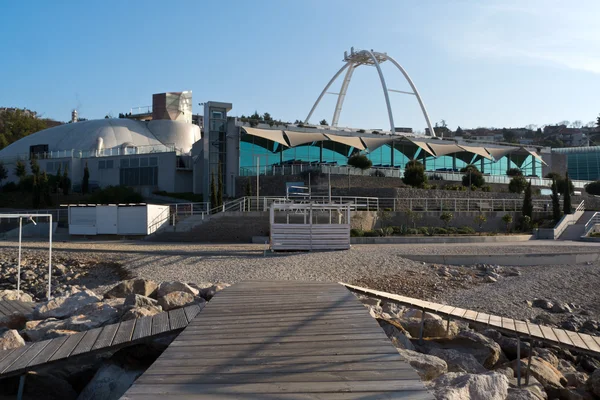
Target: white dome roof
[(110, 133)]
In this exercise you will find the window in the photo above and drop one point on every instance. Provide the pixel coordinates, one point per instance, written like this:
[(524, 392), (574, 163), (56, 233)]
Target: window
[(134, 162), (110, 164), (144, 162), (216, 114), (153, 161), (124, 162), (102, 164)]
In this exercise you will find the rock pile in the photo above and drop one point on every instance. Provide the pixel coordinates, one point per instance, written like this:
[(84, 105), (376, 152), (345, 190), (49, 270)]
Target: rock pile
[(80, 309), (456, 361)]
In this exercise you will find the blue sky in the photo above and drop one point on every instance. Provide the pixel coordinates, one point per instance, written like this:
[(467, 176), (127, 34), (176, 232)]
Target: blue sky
[(493, 63)]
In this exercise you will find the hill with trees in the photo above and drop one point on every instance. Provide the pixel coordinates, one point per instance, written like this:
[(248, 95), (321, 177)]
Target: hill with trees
[(17, 123)]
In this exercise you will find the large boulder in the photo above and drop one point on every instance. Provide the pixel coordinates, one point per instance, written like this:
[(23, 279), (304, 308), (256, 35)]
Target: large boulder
[(92, 316), (459, 362), (208, 292), (547, 355), (457, 386), (139, 312), (144, 287), (576, 379), (428, 367), (523, 394), (11, 340), (535, 388), (13, 321), (111, 381), (432, 327), (173, 286), (15, 295), (593, 383), (38, 330), (485, 350), (137, 300), (176, 300), (64, 306), (541, 370), (398, 338), (46, 386)]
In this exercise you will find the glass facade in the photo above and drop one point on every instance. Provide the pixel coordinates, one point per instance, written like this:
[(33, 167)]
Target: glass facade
[(217, 142), (139, 171), (271, 154), (583, 163)]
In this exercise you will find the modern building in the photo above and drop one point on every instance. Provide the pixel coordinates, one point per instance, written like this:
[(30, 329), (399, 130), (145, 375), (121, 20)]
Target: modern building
[(583, 163)]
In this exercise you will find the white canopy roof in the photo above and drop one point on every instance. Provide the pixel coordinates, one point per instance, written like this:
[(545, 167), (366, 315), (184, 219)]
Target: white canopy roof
[(535, 154), (499, 152), (298, 138), (422, 145), (480, 151), (375, 143), (347, 140), (270, 134), (441, 149)]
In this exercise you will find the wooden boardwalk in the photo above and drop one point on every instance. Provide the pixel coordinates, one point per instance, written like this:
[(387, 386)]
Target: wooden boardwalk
[(126, 333), (580, 342), (281, 340), (8, 307)]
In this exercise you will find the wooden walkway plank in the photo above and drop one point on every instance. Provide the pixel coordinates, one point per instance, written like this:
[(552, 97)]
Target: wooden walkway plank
[(49, 350), (143, 328), (124, 332), (495, 321), (548, 333), (106, 336), (177, 319), (562, 336), (521, 327), (590, 342), (87, 342), (576, 339), (325, 349), (192, 311), (160, 323), (30, 354), (67, 348), (11, 357)]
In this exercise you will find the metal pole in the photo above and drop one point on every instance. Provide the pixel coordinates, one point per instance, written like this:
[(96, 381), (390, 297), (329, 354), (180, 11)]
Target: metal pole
[(21, 387), (19, 267), (50, 260), (518, 361), (422, 326), (329, 184), (257, 180), (529, 360)]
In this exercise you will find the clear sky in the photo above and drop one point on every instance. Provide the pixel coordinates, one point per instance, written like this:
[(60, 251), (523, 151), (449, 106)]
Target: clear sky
[(493, 63)]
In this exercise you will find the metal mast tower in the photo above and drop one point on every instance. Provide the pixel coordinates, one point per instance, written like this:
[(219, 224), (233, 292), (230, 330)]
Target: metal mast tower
[(372, 58)]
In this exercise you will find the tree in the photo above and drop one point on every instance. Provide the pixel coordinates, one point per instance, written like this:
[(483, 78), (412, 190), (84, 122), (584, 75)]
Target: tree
[(213, 191), (556, 213), (220, 186), (472, 176), (45, 197), (3, 172), (85, 183), (576, 124), (58, 179), (459, 132), (517, 184), (20, 170), (480, 220), (66, 182), (15, 124), (567, 197), (514, 172), (360, 161), (527, 209), (446, 217), (35, 167), (509, 136), (323, 122), (561, 183), (598, 121), (414, 174), (507, 219), (593, 188), (248, 190), (36, 197)]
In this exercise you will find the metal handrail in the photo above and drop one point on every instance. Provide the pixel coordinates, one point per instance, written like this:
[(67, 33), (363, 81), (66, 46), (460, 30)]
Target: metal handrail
[(591, 223)]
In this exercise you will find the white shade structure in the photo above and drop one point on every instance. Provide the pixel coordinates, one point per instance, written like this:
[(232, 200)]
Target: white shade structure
[(298, 138), (347, 140), (499, 152), (273, 135), (375, 143), (442, 149), (480, 151)]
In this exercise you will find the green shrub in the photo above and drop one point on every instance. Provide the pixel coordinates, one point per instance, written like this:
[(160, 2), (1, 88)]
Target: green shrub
[(387, 231), (446, 217), (452, 230), (412, 231), (424, 231), (472, 176), (378, 173), (466, 230), (514, 172), (399, 230), (371, 234), (360, 161), (414, 174), (593, 188), (517, 184), (357, 233), (486, 188), (440, 231)]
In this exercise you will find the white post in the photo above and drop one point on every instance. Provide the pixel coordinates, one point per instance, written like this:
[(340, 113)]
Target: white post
[(329, 183), (257, 181), (50, 259), (19, 266)]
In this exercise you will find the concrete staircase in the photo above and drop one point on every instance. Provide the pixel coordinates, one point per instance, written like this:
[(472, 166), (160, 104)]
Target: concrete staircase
[(575, 231)]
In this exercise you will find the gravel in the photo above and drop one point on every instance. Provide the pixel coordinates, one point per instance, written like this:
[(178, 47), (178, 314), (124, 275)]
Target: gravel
[(380, 267)]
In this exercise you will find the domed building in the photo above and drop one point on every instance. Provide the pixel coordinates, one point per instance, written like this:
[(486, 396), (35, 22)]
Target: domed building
[(154, 153)]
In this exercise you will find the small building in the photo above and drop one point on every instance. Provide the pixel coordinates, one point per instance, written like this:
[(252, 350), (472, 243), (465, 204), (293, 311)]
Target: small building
[(117, 219)]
